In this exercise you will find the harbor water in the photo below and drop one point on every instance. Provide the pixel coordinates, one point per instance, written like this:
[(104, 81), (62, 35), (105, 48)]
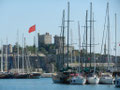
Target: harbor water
[(47, 84)]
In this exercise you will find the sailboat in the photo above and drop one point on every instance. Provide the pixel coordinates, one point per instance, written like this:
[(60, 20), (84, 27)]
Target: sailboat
[(4, 74), (23, 74), (65, 73), (59, 76), (20, 75), (107, 78), (92, 78), (78, 78)]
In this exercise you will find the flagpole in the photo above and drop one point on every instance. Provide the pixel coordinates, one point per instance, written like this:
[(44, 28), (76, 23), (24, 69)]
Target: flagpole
[(36, 50), (32, 29), (35, 40)]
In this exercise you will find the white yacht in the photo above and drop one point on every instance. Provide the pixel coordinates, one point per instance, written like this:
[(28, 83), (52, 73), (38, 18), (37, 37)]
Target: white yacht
[(93, 79), (78, 80), (106, 79)]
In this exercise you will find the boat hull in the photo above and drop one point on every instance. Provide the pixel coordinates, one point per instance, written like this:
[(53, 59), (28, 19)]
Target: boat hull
[(77, 80), (93, 80), (22, 76), (6, 76), (35, 75), (106, 81), (61, 79)]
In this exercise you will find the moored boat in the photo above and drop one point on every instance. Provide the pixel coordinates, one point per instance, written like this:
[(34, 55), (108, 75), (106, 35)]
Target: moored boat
[(93, 79), (2, 75), (35, 75), (21, 75), (78, 79), (64, 76), (106, 78), (6, 75)]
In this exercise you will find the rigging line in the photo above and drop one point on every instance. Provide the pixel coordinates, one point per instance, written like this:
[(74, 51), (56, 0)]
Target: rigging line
[(104, 31)]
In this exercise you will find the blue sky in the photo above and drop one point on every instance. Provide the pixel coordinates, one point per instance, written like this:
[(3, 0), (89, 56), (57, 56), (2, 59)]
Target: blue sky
[(46, 14)]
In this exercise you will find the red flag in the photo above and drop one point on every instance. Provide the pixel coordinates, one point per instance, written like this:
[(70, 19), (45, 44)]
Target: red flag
[(32, 29)]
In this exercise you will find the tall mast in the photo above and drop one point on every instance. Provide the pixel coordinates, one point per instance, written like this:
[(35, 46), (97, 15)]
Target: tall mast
[(94, 46), (116, 38), (84, 46), (27, 58), (23, 53), (68, 26), (18, 49), (86, 36), (108, 28), (104, 37), (71, 44), (79, 43), (6, 55), (63, 28), (90, 31), (26, 61), (61, 62), (1, 56)]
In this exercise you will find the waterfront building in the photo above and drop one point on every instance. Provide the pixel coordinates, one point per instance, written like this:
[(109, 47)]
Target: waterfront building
[(58, 41), (45, 38)]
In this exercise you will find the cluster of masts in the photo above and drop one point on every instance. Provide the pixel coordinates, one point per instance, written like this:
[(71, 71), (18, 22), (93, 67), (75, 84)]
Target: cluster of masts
[(65, 75), (91, 37), (25, 70)]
